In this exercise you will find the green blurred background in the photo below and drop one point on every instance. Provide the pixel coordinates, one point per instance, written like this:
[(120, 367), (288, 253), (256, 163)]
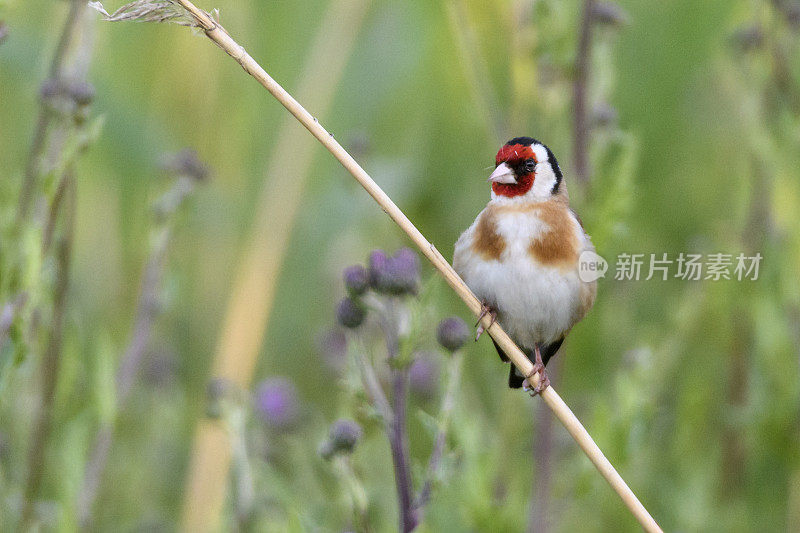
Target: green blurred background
[(690, 387)]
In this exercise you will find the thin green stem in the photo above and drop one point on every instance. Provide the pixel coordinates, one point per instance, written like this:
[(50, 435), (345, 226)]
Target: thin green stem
[(30, 180), (445, 413), (51, 363)]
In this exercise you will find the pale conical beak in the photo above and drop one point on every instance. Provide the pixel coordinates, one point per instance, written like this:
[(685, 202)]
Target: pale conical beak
[(503, 174)]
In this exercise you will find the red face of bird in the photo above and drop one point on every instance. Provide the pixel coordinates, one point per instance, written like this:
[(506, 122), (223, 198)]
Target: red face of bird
[(525, 168)]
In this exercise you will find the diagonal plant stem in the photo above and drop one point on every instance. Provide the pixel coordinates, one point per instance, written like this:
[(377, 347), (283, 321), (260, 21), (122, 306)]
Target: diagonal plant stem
[(218, 35), (542, 451), (257, 275)]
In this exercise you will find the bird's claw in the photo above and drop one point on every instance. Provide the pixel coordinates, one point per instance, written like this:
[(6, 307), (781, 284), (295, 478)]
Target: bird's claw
[(485, 310), (544, 380)]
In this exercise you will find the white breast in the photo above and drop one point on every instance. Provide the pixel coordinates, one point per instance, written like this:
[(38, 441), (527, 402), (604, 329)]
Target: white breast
[(535, 303)]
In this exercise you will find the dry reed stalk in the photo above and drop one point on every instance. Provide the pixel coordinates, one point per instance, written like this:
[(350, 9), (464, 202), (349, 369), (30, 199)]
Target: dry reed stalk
[(218, 35), (253, 292)]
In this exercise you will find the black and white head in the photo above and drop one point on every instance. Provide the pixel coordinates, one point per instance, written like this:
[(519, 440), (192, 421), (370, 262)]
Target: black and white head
[(526, 169)]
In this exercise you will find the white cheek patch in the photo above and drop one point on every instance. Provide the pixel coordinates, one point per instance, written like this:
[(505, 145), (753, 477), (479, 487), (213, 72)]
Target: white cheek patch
[(541, 153), (545, 177), (545, 180)]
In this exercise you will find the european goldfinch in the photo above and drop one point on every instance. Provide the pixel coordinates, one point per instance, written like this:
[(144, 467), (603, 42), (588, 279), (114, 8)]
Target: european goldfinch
[(521, 255)]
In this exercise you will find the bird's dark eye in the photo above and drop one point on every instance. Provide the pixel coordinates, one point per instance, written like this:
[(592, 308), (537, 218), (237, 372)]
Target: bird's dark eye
[(530, 165)]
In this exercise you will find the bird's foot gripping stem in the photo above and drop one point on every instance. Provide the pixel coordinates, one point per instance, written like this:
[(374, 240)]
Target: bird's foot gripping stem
[(485, 310), (538, 368)]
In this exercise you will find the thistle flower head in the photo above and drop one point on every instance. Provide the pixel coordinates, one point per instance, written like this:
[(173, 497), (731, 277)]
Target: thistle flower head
[(610, 14), (748, 38), (276, 402), (452, 333), (343, 436), (356, 280), (404, 268), (378, 265), (604, 115), (395, 275), (349, 313), (186, 162)]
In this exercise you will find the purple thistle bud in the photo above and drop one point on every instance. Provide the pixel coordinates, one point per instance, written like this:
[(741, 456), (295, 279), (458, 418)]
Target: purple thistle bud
[(50, 88), (792, 13), (81, 92), (187, 163), (748, 38), (342, 438), (356, 280), (349, 313), (394, 275), (610, 13), (378, 264), (276, 402), (404, 268), (604, 115), (452, 333), (423, 375)]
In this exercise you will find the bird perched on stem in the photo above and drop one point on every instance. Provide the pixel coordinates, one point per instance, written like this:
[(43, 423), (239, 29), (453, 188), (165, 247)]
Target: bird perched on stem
[(521, 256)]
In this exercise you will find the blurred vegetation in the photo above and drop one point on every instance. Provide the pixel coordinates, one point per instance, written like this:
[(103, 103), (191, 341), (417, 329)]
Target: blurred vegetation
[(690, 387)]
